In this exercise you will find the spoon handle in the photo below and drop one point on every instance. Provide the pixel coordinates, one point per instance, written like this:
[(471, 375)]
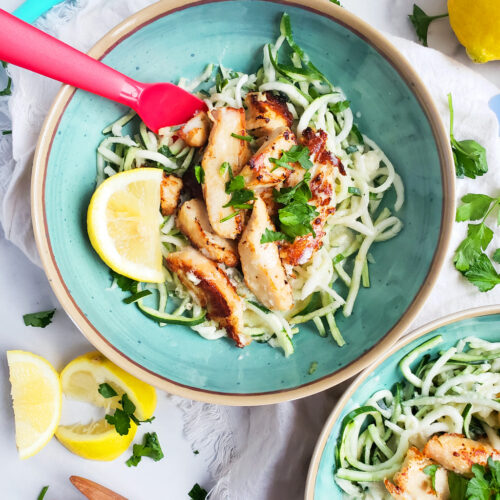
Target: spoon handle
[(23, 45), (94, 491)]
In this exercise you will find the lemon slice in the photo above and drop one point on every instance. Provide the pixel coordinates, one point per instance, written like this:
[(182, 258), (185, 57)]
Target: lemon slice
[(80, 380), (36, 394), (123, 223)]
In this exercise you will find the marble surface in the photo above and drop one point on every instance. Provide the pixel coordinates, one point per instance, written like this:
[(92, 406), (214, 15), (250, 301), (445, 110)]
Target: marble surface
[(24, 289)]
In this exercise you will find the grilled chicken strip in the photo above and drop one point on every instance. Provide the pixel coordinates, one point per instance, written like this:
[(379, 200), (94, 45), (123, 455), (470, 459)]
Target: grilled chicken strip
[(261, 264), (266, 112), (212, 288), (192, 220), (412, 483), (222, 147), (195, 131), (457, 453), (260, 171), (322, 186), (170, 191)]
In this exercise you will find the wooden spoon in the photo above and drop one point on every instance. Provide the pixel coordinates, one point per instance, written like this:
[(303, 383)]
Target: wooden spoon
[(94, 491)]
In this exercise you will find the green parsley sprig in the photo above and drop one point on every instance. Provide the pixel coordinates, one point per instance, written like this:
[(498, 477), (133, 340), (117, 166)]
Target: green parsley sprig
[(296, 154), (122, 417), (199, 173), (39, 319), (150, 448), (484, 485), (198, 493), (469, 257), (431, 470), (469, 156), (240, 196), (421, 22)]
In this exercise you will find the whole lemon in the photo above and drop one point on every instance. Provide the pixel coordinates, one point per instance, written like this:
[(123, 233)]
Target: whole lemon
[(476, 24)]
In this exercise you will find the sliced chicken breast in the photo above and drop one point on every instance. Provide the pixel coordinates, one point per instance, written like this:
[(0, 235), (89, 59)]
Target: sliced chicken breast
[(260, 171), (412, 483), (195, 131), (222, 147), (457, 453), (170, 191), (212, 288), (266, 112), (192, 220), (261, 264)]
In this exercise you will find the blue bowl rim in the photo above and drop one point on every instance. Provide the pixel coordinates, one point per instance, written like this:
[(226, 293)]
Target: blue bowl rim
[(125, 29), (456, 317)]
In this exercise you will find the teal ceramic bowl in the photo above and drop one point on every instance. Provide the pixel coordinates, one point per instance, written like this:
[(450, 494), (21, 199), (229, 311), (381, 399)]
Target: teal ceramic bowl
[(481, 322), (172, 39)]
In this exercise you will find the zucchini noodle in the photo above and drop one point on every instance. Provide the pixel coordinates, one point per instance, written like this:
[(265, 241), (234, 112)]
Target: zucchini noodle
[(331, 279), (437, 395)]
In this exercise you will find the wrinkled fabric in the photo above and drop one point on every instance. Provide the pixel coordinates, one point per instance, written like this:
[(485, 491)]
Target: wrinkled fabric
[(257, 453)]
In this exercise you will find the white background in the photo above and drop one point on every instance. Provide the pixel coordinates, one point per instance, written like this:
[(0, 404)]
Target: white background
[(24, 289)]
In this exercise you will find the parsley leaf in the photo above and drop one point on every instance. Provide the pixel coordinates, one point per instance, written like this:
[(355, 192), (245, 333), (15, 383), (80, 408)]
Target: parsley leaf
[(235, 184), (468, 155), (336, 2), (39, 319), (220, 80), (457, 485), (496, 256), (165, 151), (296, 217), (125, 284), (6, 132), (150, 448), (41, 495), (199, 173), (226, 166), (421, 22), (120, 420), (240, 198), (431, 470), (474, 207), (299, 192), (478, 487), (127, 405), (482, 274), (296, 154), (478, 238), (270, 236), (106, 391), (337, 107), (197, 493)]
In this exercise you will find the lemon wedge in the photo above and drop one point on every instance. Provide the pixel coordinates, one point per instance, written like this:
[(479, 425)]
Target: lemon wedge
[(37, 400), (123, 223), (80, 380)]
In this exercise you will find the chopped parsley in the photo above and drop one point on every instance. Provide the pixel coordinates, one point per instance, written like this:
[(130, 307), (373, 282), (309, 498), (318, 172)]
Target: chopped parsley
[(336, 2), (296, 154), (337, 107), (313, 367), (225, 167), (220, 80), (150, 448), (484, 485), (468, 155), (496, 256), (39, 319), (247, 138), (6, 132), (240, 196), (42, 493), (122, 416), (354, 190), (469, 257), (199, 173), (421, 22), (106, 391), (196, 452), (269, 236), (124, 283), (165, 151), (431, 470), (198, 493)]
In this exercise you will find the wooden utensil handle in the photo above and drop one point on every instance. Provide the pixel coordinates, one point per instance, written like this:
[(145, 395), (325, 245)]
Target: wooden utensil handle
[(94, 491)]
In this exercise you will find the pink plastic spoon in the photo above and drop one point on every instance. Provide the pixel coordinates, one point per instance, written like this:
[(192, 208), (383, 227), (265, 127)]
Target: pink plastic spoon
[(158, 104)]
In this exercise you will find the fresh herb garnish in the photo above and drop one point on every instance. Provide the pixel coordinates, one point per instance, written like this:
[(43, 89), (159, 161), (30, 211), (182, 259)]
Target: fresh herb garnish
[(338, 258), (269, 236), (240, 196), (313, 367), (41, 495), (421, 22), (6, 132), (165, 151), (122, 416), (235, 184), (299, 192), (124, 283), (196, 452), (106, 391), (197, 493), (296, 154), (39, 319), (337, 107), (150, 448), (199, 173), (8, 89), (457, 485), (484, 485), (469, 156), (496, 256), (469, 257), (431, 470), (354, 190), (247, 138), (226, 167), (230, 216), (336, 2), (137, 296), (220, 80)]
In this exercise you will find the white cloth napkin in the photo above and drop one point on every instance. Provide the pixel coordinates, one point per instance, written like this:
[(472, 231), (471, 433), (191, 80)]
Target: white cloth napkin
[(252, 453)]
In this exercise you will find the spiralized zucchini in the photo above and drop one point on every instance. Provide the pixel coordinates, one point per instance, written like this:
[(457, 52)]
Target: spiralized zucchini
[(356, 225)]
